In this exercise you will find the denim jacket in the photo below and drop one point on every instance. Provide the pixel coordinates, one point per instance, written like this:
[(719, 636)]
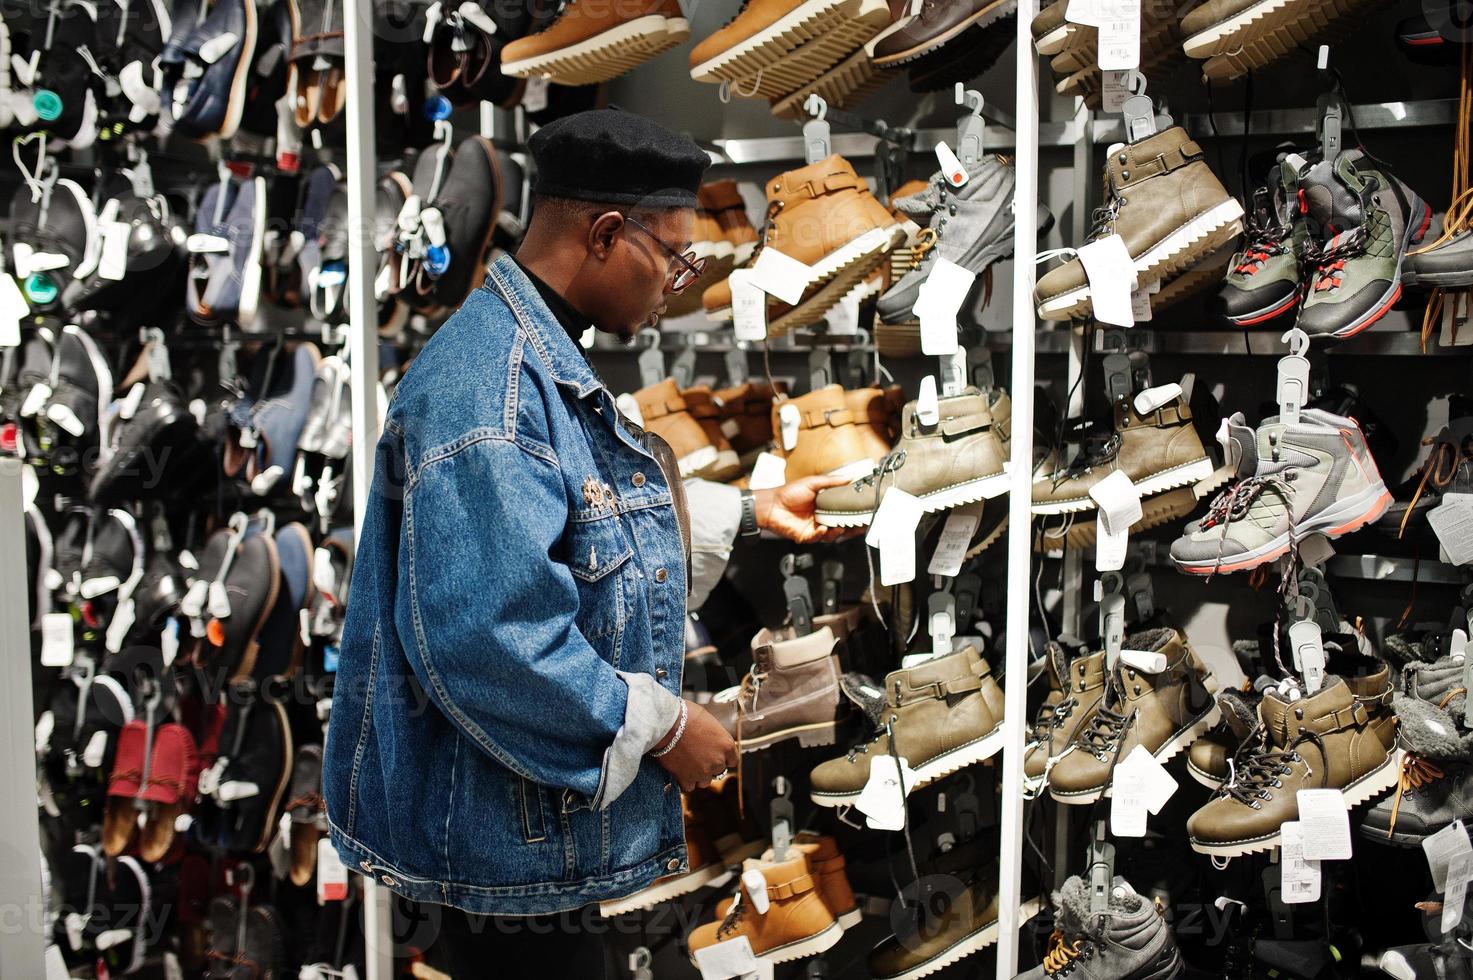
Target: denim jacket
[(514, 636)]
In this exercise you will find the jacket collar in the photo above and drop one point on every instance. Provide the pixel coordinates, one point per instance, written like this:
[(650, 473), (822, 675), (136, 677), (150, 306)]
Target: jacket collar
[(565, 362)]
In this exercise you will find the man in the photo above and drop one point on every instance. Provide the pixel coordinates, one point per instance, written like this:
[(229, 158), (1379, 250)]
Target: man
[(507, 735)]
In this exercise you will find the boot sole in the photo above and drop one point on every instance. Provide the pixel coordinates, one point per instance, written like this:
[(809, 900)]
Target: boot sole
[(1278, 309), (988, 541), (1060, 39), (1205, 778), (798, 47), (1178, 476), (808, 736), (840, 271), (849, 82), (606, 55), (989, 14), (974, 942), (663, 892), (1276, 34), (943, 765), (1368, 787), (235, 106), (1182, 739), (1333, 523), (1412, 234), (1160, 510), (1196, 239), (964, 493)]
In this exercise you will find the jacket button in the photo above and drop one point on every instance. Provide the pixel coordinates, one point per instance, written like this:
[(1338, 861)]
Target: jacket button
[(366, 866), (388, 880), (637, 479), (661, 575), (672, 864), (661, 673)]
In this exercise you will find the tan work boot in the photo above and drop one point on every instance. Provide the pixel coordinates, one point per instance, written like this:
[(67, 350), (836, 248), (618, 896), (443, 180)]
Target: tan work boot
[(1076, 688), (774, 47), (825, 216), (828, 437), (957, 460), (1164, 712), (1333, 739), (592, 41), (746, 418), (1167, 205), (665, 413), (1207, 759), (723, 202), (706, 411), (1159, 450), (944, 714), (796, 925), (792, 691), (703, 859), (825, 863)]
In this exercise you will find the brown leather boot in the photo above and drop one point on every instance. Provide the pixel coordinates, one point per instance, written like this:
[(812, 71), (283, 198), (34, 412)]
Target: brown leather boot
[(706, 411), (796, 925), (723, 202), (773, 47), (792, 691), (734, 833), (1076, 689), (825, 216), (1332, 739), (826, 863), (1166, 204), (746, 417), (944, 714), (829, 438), (593, 41), (665, 413), (703, 859)]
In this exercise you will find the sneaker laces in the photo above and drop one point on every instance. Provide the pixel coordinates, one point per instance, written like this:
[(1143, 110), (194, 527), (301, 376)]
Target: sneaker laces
[(1264, 236), (1328, 259), (1416, 773), (1439, 469), (1234, 503)]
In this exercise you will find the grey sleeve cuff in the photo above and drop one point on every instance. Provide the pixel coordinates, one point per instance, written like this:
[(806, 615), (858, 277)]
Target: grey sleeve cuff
[(715, 519), (648, 715)]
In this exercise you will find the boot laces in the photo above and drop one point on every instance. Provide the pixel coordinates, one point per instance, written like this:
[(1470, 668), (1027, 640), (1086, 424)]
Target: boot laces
[(1102, 220), (1416, 774), (1062, 954), (733, 917), (1328, 259), (1265, 236), (1262, 771), (1233, 503)]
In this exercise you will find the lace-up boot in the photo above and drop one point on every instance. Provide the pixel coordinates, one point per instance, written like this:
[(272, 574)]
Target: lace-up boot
[(828, 436), (1263, 280), (1164, 712), (789, 921), (1076, 689), (792, 691), (1341, 738), (1209, 757), (1132, 942)]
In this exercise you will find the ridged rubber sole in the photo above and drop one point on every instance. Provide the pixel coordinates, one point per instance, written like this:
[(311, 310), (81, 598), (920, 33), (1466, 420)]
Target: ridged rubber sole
[(606, 55), (1288, 26), (1181, 475), (943, 765), (1205, 778), (1367, 788), (840, 271), (989, 541), (1064, 37), (797, 48), (1196, 239), (848, 83), (898, 339), (1158, 510), (989, 14), (1209, 272), (1184, 737), (663, 891), (973, 942), (969, 492), (1265, 19), (808, 736)]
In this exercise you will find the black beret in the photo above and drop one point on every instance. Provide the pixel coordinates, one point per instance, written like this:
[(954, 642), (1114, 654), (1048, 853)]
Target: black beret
[(617, 157)]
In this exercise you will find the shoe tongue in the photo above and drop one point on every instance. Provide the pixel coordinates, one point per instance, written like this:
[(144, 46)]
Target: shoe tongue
[(1239, 445), (1333, 202)]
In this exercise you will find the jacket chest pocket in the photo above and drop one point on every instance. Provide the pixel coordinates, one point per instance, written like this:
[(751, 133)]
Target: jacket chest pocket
[(596, 550)]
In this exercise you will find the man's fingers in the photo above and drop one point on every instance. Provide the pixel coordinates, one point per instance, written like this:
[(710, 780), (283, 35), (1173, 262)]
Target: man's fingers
[(823, 481)]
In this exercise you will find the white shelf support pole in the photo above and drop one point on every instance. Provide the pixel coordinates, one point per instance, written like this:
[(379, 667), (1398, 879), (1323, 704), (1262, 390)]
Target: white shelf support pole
[(1020, 521), (363, 357), (22, 942)]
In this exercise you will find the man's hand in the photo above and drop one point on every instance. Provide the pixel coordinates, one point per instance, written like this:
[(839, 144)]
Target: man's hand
[(788, 511), (704, 751)]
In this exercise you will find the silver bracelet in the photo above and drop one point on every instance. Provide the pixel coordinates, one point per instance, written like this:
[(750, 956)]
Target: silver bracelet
[(679, 731)]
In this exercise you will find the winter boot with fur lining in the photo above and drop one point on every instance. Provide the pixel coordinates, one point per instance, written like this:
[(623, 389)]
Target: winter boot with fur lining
[(1132, 943)]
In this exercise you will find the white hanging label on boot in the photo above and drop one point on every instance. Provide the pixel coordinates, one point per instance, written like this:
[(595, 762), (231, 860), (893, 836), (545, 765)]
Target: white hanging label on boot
[(893, 532), (1111, 277), (1140, 785), (1442, 848), (1120, 35), (1140, 305), (1455, 895), (1119, 504), (732, 958), (1113, 90), (938, 303), (534, 98), (1325, 820), (781, 275), (951, 167), (748, 306), (1086, 12), (882, 800), (956, 538), (1300, 878), (768, 473), (1452, 522)]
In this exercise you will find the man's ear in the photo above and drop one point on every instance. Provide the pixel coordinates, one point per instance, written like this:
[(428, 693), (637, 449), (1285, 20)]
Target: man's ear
[(604, 232)]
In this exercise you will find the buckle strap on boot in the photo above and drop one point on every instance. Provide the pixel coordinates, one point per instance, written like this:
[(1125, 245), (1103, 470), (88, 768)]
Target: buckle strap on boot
[(1161, 163), (1172, 413), (833, 417), (937, 690), (789, 889), (828, 184), (660, 408)]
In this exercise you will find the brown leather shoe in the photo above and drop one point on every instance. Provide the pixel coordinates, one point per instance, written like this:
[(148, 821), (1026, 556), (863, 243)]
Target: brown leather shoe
[(792, 691), (826, 863), (830, 439), (706, 410), (825, 216), (1341, 737), (664, 412), (789, 42), (1076, 688), (796, 925), (944, 714), (724, 203), (595, 40), (746, 417), (938, 22), (1167, 205)]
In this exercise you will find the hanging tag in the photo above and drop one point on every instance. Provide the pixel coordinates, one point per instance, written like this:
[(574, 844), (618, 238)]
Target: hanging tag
[(332, 876), (13, 309), (1128, 800), (951, 167), (113, 263), (128, 407), (1315, 550), (1086, 12), (956, 538), (882, 800), (1113, 91), (1120, 35), (768, 473), (938, 302), (1309, 654), (1119, 504), (1442, 848), (1325, 820), (1452, 522), (941, 622), (732, 958), (534, 99), (928, 410), (781, 275), (1140, 305), (843, 318), (56, 640), (1111, 276), (756, 885), (748, 306), (893, 532), (1300, 878), (1455, 896)]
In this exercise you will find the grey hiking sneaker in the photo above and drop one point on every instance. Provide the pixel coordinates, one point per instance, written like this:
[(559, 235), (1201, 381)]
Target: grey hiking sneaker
[(1132, 942), (1263, 281), (1312, 475), (1362, 221), (1425, 961)]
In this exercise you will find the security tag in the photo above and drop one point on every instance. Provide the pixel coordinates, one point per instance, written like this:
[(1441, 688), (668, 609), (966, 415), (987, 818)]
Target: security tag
[(1309, 653), (893, 532), (120, 624), (1300, 881), (1119, 504), (928, 410), (128, 407), (1151, 399), (748, 306), (781, 275), (113, 264), (789, 418), (13, 309), (36, 399), (1455, 895), (1120, 35), (332, 876), (1113, 90), (95, 750), (276, 852), (951, 167), (534, 99), (956, 538), (732, 958), (1325, 820), (1452, 522), (169, 640), (939, 301), (1111, 276), (941, 624), (882, 800), (756, 885), (1144, 660), (56, 640), (768, 472), (219, 600), (1442, 848)]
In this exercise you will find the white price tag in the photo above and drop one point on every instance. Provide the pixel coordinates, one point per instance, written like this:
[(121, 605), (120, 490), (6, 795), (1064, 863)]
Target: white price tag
[(1140, 305), (1442, 848), (13, 309), (1128, 802), (956, 537), (1325, 821), (748, 306), (1452, 522), (893, 532), (951, 167), (1086, 12), (1300, 881), (733, 958), (1113, 91), (781, 275), (843, 318), (1120, 35), (56, 640), (1315, 550), (939, 301), (1159, 784), (882, 800), (1455, 896), (534, 98), (332, 876), (768, 473), (113, 263), (1111, 276), (1119, 504)]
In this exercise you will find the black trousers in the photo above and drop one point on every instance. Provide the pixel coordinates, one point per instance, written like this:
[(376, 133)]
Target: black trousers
[(523, 947)]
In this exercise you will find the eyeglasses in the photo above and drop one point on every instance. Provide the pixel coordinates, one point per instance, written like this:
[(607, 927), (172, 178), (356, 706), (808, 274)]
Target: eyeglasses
[(691, 267)]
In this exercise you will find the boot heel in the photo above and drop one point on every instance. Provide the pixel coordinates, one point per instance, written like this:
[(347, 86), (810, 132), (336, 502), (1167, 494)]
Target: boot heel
[(818, 737)]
